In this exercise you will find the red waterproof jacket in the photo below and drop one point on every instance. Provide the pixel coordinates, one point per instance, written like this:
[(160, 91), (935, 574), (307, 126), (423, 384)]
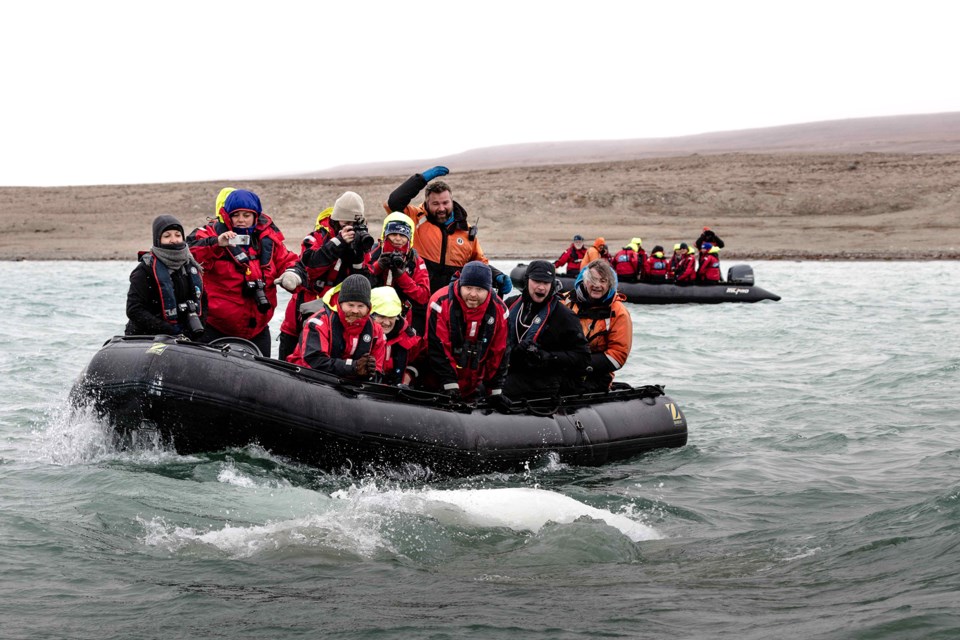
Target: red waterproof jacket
[(657, 269), (329, 344), (626, 263), (686, 269), (571, 257), (709, 270), (412, 283), (467, 346), (227, 270)]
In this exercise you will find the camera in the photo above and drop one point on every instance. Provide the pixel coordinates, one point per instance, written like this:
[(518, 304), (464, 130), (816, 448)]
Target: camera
[(397, 261), (189, 309), (255, 288), (362, 240), (239, 240)]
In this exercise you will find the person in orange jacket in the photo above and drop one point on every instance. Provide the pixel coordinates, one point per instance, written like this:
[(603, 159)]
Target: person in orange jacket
[(443, 238), (598, 250), (606, 325)]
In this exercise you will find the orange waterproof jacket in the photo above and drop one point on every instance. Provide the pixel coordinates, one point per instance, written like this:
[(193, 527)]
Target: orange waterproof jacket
[(609, 332), (444, 248)]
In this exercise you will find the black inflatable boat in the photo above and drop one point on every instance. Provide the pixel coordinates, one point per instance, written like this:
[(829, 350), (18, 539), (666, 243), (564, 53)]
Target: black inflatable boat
[(739, 287), (210, 397)]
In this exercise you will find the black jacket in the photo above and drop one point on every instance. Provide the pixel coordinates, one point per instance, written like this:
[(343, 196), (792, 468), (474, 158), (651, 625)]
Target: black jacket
[(144, 305), (711, 237), (562, 346)]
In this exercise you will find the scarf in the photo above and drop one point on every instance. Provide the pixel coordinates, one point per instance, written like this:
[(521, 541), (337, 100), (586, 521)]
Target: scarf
[(175, 256)]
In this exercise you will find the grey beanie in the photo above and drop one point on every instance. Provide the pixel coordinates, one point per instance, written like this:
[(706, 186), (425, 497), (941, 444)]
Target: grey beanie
[(355, 288), (476, 274)]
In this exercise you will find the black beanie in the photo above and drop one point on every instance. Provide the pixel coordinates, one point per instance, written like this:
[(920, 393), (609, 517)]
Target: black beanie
[(355, 288), (476, 274), (541, 271), (161, 224)]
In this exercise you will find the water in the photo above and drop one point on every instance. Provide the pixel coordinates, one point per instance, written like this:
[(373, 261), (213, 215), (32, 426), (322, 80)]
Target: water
[(818, 496)]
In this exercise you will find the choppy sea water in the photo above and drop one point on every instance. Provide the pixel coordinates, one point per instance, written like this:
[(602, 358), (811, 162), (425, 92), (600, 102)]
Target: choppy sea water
[(818, 497)]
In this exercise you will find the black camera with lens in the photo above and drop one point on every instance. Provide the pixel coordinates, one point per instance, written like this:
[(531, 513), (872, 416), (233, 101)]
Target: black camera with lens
[(362, 240), (189, 309), (398, 261), (254, 288)]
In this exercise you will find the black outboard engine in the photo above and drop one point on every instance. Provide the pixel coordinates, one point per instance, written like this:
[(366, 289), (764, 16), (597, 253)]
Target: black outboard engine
[(740, 274)]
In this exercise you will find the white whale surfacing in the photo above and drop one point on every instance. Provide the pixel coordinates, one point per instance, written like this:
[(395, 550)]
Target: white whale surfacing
[(520, 509)]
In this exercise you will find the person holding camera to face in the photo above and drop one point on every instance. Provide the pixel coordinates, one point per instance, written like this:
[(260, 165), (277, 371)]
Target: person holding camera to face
[(338, 247), (166, 287), (242, 253), (395, 263)]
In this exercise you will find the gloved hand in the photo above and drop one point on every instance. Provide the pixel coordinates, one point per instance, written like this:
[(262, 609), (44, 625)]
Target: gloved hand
[(534, 356), (435, 172), (289, 281), (384, 262), (365, 365), (503, 283), (452, 394), (500, 402)]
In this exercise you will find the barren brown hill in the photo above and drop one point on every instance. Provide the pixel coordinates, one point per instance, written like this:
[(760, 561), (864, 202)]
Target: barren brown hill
[(772, 205)]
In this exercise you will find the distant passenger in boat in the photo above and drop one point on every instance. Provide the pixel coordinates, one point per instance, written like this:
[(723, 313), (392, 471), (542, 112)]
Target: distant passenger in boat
[(467, 337), (709, 268), (627, 262), (395, 263), (341, 338), (166, 288), (657, 269), (242, 254), (710, 236), (606, 324), (544, 338), (572, 257), (402, 344), (330, 253), (598, 250), (444, 238), (686, 268)]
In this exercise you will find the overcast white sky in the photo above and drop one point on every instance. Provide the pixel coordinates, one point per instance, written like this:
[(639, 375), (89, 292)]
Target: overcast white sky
[(102, 92)]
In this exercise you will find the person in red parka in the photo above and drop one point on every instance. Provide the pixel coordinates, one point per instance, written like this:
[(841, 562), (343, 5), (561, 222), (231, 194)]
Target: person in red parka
[(395, 263), (327, 256), (467, 336), (628, 262), (657, 270), (709, 269), (242, 253), (686, 268), (403, 345), (342, 339), (572, 257)]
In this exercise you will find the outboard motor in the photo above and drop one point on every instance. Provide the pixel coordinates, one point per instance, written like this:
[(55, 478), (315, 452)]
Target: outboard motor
[(740, 274)]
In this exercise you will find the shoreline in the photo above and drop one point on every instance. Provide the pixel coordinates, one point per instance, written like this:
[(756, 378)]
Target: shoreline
[(775, 206)]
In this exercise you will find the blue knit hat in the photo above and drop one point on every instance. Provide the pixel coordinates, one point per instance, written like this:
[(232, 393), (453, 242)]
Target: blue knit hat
[(243, 200), (476, 274)]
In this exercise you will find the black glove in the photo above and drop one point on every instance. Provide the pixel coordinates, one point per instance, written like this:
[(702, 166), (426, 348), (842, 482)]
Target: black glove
[(384, 262), (500, 402)]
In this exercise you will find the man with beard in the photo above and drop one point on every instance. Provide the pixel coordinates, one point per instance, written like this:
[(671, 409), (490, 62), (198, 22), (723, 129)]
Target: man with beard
[(545, 338), (443, 238)]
